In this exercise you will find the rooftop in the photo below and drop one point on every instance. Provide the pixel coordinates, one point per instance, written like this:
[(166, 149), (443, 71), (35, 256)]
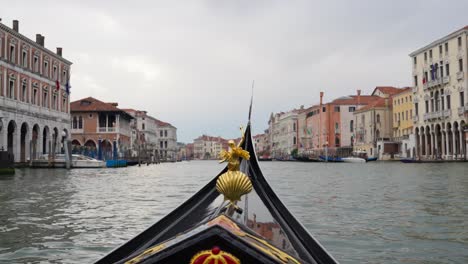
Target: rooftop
[(439, 41), (90, 104)]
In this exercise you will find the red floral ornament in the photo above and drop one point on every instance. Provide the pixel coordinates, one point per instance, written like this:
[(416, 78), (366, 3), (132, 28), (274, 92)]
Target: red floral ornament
[(214, 256)]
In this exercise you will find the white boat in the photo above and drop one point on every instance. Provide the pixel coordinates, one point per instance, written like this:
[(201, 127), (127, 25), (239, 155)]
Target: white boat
[(354, 160), (78, 161)]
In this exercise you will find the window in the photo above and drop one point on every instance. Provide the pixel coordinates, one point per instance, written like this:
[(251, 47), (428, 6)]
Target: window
[(80, 122), (395, 117), (425, 76), (440, 49), (25, 59), (54, 102), (460, 65), (416, 108), (294, 140), (430, 54), (54, 76), (411, 113), (143, 126), (74, 123), (165, 133), (11, 90), (441, 69), (337, 141), (337, 109), (410, 98), (324, 109), (406, 113), (161, 144), (462, 99), (427, 106), (45, 100), (12, 53), (294, 127), (378, 118), (351, 109), (64, 104), (24, 92), (351, 126), (363, 120), (448, 101), (425, 56), (446, 47), (459, 42), (415, 60), (161, 133), (34, 97), (46, 69), (36, 64), (165, 144), (399, 117), (415, 80), (447, 69), (442, 104)]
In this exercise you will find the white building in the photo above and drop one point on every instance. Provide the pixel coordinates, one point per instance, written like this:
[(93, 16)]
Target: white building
[(284, 133), (167, 135), (34, 102), (439, 71), (208, 147)]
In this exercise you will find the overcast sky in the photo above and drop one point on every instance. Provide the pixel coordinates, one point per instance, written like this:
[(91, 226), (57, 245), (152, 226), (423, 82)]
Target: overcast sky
[(191, 63)]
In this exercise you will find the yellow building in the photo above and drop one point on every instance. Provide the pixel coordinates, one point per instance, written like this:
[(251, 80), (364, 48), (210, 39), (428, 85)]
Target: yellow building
[(403, 114)]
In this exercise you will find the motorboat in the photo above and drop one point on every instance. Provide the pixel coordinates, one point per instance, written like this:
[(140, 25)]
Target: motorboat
[(353, 160), (58, 161), (235, 218), (330, 159)]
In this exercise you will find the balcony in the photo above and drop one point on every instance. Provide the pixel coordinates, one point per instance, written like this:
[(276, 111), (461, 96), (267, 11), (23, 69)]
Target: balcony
[(437, 115), (107, 129), (446, 79), (415, 89), (415, 118), (434, 83), (462, 110), (460, 75), (35, 111)]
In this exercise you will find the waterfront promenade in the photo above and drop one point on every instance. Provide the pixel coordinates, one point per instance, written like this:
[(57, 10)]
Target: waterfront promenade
[(382, 212)]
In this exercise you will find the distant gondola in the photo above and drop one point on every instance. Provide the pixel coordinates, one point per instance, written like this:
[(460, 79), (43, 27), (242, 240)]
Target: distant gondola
[(236, 218)]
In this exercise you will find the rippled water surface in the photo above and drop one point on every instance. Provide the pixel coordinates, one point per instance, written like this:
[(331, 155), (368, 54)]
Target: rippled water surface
[(362, 213)]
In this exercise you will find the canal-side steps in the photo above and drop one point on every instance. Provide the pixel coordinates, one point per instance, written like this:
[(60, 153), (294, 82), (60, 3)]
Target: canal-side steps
[(6, 163)]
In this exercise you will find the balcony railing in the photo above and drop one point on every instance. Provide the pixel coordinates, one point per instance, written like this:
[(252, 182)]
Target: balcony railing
[(462, 110), (446, 79), (437, 115), (415, 118), (415, 89), (434, 83), (460, 75), (106, 129)]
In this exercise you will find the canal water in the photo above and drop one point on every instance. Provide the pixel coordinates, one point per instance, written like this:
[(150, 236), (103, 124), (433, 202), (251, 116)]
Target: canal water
[(362, 213)]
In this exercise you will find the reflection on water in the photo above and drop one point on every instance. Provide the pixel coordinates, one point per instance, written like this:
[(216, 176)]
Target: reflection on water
[(371, 213)]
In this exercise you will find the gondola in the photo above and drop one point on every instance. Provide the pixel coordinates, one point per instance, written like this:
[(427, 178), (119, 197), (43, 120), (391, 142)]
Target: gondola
[(236, 218)]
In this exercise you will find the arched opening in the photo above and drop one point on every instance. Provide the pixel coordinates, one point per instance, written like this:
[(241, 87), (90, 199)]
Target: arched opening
[(456, 139), (45, 140), (55, 139), (423, 142), (463, 138), (23, 141), (378, 118), (34, 141), (418, 143), (89, 149), (76, 142), (438, 137), (449, 139), (377, 134), (428, 141), (11, 137), (106, 148)]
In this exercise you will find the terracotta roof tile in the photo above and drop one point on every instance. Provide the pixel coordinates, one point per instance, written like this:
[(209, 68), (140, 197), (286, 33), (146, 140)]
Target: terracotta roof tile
[(390, 90)]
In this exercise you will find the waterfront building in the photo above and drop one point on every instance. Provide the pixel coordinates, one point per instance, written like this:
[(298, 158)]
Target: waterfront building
[(373, 123), (262, 144), (144, 139), (439, 71), (283, 128), (208, 147), (100, 129), (167, 140), (403, 123), (34, 99), (331, 124), (189, 151)]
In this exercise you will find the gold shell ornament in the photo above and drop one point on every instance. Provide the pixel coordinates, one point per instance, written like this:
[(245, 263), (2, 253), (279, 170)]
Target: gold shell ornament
[(233, 184)]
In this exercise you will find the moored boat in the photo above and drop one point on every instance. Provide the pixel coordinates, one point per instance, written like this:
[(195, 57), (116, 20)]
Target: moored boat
[(330, 159), (353, 160), (236, 218), (58, 161)]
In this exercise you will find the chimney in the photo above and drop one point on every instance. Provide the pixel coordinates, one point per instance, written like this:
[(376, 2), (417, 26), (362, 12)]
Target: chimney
[(358, 97), (59, 51), (16, 25), (38, 39), (42, 41), (321, 97)]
